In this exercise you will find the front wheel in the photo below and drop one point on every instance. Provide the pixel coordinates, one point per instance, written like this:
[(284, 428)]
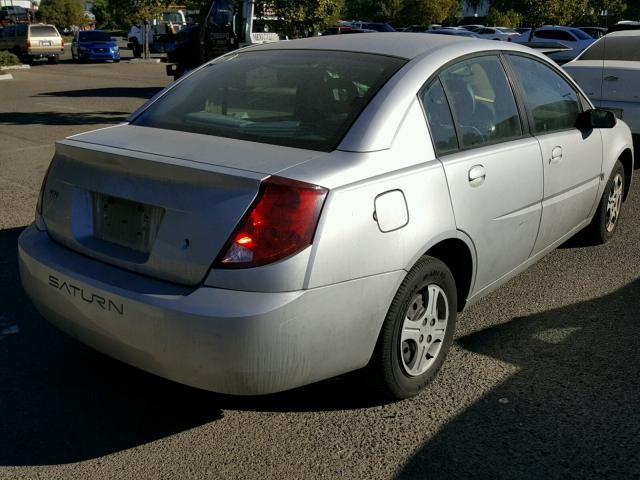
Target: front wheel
[(607, 215), (417, 331)]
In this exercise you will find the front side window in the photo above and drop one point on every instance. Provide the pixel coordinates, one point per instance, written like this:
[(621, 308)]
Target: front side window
[(296, 98), (484, 108), (439, 117), (551, 100)]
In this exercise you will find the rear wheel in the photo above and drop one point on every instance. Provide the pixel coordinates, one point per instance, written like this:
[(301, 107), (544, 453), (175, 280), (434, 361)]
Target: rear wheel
[(605, 220), (417, 331), (52, 60)]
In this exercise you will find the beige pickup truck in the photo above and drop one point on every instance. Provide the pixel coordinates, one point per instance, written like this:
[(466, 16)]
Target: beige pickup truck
[(32, 42)]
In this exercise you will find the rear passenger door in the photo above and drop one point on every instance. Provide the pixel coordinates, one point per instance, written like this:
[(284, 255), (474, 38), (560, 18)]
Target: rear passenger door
[(494, 169), (572, 158)]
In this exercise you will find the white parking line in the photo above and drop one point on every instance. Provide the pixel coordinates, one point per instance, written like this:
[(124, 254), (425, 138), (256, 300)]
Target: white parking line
[(63, 106)]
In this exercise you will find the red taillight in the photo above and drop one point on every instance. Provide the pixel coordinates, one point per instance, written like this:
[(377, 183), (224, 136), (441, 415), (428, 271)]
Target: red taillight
[(62, 43), (28, 44), (281, 221)]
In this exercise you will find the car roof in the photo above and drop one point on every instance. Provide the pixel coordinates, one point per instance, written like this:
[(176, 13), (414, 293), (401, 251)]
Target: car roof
[(624, 33), (395, 44), (557, 27)]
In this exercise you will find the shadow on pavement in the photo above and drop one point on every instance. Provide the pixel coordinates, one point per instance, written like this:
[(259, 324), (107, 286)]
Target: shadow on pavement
[(572, 410), (59, 118), (62, 402), (120, 92)]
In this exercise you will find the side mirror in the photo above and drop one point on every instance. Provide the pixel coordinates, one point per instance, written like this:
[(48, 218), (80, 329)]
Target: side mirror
[(596, 118)]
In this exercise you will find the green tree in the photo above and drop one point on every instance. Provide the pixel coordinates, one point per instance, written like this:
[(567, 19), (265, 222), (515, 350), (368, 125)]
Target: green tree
[(632, 11), (510, 18), (62, 13), (403, 12), (299, 17), (424, 12), (106, 16), (539, 12)]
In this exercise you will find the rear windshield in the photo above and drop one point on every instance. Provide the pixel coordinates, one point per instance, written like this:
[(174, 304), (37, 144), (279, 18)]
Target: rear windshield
[(580, 34), (40, 31), (296, 98), (94, 37)]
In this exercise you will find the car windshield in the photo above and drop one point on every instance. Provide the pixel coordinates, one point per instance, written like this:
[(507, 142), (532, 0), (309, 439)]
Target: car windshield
[(297, 98), (580, 34), (94, 36), (43, 31)]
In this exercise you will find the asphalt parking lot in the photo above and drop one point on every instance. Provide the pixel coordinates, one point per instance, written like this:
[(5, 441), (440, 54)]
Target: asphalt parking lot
[(542, 381)]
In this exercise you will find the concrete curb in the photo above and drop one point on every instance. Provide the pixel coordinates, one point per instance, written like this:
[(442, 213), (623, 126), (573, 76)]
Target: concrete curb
[(144, 60), (6, 76), (15, 67)]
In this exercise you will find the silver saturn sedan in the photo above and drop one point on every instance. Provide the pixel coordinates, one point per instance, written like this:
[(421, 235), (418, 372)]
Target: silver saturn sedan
[(293, 211)]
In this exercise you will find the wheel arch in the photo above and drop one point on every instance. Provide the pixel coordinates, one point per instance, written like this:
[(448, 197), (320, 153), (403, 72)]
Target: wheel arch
[(459, 255), (626, 159)]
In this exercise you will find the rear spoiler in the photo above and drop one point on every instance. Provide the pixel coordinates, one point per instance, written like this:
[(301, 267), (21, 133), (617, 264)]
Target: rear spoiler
[(547, 47)]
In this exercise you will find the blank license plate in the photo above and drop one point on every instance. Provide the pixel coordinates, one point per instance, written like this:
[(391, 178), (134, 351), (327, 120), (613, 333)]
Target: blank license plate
[(44, 43), (123, 222)]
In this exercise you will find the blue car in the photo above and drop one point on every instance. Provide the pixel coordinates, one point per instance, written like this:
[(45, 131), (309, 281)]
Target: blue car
[(94, 45)]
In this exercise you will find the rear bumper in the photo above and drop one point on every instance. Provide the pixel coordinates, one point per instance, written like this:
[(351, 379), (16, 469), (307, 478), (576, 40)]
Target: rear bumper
[(233, 342), (54, 52)]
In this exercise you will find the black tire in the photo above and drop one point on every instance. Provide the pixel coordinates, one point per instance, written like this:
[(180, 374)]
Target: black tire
[(117, 60), (389, 371), (52, 60), (607, 216)]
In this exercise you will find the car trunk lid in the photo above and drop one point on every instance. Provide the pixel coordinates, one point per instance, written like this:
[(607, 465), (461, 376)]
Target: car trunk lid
[(151, 212)]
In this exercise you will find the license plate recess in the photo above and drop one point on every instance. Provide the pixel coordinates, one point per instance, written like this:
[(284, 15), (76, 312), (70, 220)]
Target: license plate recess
[(125, 223)]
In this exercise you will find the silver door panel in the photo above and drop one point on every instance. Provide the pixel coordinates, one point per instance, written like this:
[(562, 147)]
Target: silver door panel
[(502, 212)]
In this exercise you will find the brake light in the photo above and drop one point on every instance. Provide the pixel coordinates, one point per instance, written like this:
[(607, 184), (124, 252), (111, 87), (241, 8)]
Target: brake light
[(281, 222), (28, 44), (62, 42)]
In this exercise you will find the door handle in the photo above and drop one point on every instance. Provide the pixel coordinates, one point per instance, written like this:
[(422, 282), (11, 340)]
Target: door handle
[(556, 155), (611, 78), (477, 174)]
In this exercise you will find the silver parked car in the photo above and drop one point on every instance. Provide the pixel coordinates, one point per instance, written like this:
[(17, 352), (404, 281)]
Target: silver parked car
[(297, 210)]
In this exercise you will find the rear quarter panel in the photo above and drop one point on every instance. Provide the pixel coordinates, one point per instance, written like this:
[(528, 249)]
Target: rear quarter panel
[(349, 243)]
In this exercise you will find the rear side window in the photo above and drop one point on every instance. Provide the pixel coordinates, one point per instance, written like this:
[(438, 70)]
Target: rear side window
[(297, 98), (439, 117), (594, 52), (551, 100), (484, 108), (43, 31)]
